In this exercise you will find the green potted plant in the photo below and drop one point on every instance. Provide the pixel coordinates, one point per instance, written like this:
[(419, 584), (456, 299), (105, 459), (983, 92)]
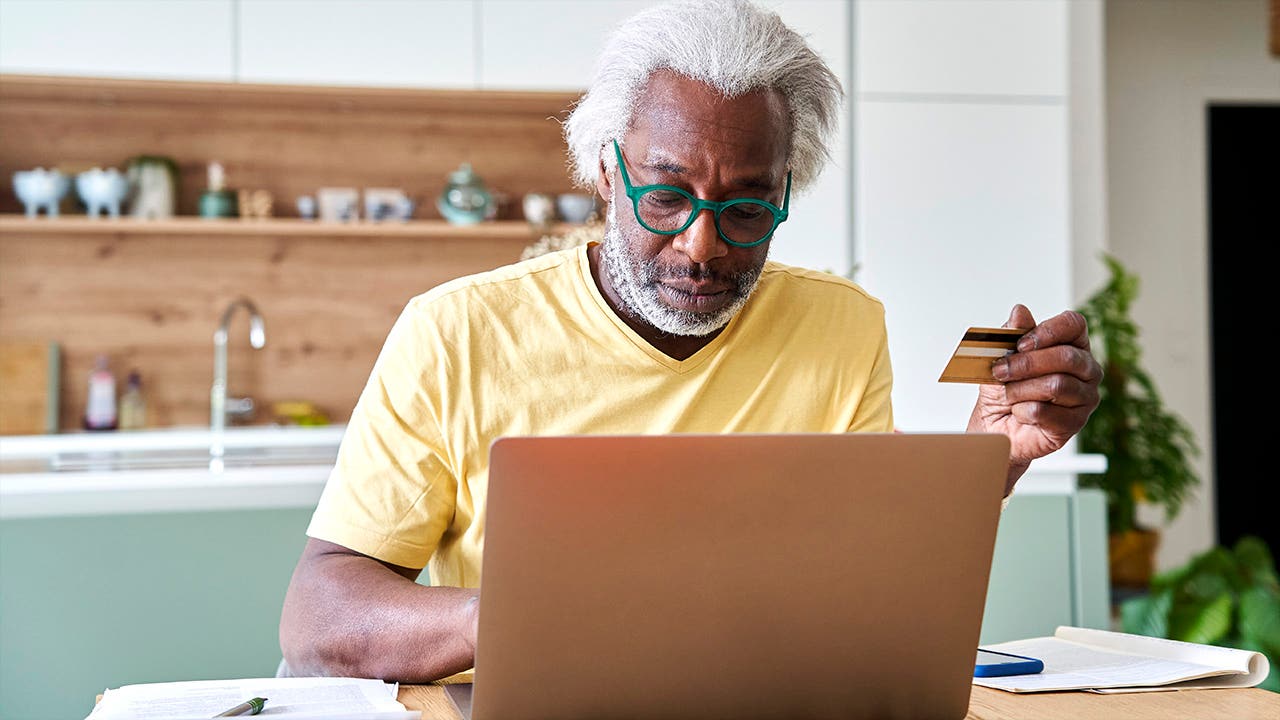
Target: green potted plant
[(1148, 449), (1224, 596)]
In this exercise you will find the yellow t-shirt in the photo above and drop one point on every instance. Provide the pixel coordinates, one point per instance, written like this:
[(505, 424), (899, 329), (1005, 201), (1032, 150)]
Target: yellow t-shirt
[(533, 349)]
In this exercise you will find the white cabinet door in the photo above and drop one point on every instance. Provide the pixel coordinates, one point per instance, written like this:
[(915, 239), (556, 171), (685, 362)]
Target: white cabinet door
[(962, 47), (545, 44), (174, 39), (962, 211), (404, 43), (962, 178), (1049, 567), (818, 234)]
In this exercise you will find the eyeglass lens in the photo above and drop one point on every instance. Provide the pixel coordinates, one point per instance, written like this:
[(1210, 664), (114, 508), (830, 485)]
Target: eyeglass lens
[(668, 211)]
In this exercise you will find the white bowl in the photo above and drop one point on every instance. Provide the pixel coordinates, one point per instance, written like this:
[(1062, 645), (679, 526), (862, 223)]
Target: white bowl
[(40, 188), (575, 207), (102, 190)]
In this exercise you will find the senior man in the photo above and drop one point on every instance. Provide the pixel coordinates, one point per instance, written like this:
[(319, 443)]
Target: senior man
[(701, 121)]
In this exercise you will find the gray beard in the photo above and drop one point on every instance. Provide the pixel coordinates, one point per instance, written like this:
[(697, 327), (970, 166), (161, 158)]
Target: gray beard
[(635, 280)]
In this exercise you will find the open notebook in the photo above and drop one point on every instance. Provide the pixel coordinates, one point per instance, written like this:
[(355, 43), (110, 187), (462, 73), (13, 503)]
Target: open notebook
[(1114, 662), (294, 698)]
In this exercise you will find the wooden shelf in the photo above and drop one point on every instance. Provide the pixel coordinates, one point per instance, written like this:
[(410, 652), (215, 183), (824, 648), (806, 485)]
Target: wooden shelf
[(275, 227), (288, 140), (341, 99), (149, 293)]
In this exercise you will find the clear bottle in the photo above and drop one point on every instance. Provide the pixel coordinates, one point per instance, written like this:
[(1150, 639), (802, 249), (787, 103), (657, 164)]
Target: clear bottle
[(133, 407), (100, 409)]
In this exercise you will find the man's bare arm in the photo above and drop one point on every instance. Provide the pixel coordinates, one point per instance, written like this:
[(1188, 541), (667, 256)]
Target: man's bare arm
[(347, 614)]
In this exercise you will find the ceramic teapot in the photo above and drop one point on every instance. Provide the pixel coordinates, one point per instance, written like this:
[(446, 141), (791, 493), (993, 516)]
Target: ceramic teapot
[(465, 199)]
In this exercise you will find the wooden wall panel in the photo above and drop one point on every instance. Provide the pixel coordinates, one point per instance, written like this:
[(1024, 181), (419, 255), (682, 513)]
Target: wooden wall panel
[(290, 140), (152, 302)]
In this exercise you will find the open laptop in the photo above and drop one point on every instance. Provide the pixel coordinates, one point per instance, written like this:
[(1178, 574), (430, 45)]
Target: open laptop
[(734, 576)]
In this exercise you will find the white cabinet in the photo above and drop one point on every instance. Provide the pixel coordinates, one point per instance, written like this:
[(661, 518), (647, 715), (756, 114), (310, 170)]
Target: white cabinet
[(157, 597), (545, 44), (174, 39), (962, 211), (403, 43), (962, 179), (992, 47), (818, 234), (1049, 567)]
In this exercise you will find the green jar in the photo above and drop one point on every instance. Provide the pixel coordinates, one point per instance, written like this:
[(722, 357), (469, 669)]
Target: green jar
[(218, 204)]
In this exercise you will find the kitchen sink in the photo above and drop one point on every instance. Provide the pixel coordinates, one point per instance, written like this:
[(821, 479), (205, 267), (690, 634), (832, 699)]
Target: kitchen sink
[(169, 449), (109, 460)]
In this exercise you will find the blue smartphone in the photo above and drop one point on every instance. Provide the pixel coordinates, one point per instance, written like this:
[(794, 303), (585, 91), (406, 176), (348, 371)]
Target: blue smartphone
[(994, 664)]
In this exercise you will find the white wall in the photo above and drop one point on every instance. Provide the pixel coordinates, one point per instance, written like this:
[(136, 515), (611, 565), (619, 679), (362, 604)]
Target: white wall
[(405, 43), (819, 232), (1087, 139), (180, 39), (962, 179), (1165, 60)]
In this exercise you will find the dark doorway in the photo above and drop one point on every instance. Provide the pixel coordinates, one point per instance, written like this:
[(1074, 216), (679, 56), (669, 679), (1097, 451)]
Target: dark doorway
[(1244, 229)]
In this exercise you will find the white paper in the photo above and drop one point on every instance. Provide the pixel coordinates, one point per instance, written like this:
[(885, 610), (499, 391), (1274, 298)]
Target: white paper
[(1111, 662), (296, 698)]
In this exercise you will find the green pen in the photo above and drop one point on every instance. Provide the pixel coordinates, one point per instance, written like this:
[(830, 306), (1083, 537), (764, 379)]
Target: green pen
[(248, 707)]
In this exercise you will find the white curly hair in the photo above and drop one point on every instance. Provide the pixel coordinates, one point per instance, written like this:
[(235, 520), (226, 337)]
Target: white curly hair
[(731, 45)]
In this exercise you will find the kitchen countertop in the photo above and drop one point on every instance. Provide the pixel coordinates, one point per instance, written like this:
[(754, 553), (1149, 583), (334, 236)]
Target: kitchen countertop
[(266, 467), (118, 492), (165, 470), (29, 446)]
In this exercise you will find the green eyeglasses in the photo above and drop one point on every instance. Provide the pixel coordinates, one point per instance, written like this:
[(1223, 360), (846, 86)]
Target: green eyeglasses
[(669, 210)]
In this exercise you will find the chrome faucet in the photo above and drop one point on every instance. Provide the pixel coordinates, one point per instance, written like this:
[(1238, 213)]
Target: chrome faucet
[(220, 406)]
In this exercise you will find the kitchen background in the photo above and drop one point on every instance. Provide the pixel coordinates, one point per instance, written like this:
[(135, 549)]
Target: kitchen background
[(149, 294), (150, 297), (990, 150)]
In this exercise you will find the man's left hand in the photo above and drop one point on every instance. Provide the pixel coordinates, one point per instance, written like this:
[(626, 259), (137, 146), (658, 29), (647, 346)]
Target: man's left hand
[(1048, 389)]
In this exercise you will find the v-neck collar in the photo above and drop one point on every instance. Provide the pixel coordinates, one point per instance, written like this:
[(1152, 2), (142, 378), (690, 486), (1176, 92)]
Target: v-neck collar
[(677, 366)]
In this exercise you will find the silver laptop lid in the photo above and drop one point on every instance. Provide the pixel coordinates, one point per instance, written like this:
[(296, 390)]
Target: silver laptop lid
[(735, 576)]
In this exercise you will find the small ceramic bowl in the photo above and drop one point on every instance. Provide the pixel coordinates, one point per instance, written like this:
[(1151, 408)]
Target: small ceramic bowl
[(306, 207), (102, 190), (40, 188), (539, 208), (575, 207)]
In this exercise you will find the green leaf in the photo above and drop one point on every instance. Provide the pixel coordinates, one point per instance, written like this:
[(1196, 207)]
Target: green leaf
[(1201, 621), (1272, 682), (1222, 596), (1148, 448), (1147, 615), (1260, 618), (1171, 578), (1255, 558), (1212, 573)]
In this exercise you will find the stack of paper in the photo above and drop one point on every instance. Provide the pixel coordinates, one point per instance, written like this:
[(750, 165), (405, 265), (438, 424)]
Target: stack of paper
[(1111, 662), (295, 698)]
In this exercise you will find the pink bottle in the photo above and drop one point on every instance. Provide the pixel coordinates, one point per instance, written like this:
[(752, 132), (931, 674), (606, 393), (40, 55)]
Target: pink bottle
[(100, 410)]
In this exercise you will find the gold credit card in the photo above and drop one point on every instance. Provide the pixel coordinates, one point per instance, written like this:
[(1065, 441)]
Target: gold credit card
[(977, 352)]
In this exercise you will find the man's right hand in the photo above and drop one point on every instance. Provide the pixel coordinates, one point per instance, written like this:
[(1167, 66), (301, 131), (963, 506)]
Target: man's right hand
[(350, 615)]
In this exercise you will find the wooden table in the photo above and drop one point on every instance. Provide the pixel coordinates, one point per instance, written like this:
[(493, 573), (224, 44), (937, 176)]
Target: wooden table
[(988, 704)]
